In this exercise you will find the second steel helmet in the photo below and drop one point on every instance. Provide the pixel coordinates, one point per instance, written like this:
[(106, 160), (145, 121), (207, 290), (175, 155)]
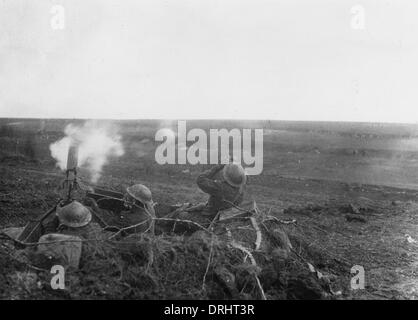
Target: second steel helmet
[(234, 174), (74, 215), (140, 193)]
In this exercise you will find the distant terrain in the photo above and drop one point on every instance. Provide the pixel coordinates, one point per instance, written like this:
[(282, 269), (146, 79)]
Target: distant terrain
[(366, 153)]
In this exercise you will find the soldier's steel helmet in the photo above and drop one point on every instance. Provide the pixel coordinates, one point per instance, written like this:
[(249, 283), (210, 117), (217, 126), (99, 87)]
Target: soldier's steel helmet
[(234, 174), (140, 193), (74, 215)]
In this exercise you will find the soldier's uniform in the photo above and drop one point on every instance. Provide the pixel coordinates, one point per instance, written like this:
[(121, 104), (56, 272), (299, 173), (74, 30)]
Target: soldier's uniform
[(126, 218), (223, 192), (63, 233)]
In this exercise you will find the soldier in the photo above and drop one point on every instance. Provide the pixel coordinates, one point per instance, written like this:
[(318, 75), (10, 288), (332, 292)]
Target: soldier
[(226, 191), (225, 185), (73, 218), (63, 234), (139, 195), (138, 199), (136, 208)]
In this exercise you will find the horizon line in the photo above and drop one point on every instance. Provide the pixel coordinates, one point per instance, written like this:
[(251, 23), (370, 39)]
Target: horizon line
[(213, 119)]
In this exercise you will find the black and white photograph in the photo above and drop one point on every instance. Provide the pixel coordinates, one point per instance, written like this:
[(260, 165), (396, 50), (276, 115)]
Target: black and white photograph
[(204, 150)]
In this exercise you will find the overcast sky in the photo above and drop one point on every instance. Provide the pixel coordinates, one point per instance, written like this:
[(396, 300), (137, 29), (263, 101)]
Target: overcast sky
[(247, 59)]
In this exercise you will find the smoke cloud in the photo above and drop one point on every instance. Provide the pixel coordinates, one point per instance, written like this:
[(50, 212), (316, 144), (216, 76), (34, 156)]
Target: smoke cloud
[(97, 144)]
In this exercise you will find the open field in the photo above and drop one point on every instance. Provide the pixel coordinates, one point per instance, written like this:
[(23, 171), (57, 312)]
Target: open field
[(312, 173)]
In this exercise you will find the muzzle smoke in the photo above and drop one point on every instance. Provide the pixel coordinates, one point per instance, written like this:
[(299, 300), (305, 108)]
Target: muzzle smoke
[(97, 143)]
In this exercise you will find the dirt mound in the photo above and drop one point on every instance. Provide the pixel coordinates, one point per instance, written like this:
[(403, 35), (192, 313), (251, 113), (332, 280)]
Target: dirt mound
[(242, 259)]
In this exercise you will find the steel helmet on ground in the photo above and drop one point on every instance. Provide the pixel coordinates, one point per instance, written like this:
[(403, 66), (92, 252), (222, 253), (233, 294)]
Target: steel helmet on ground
[(74, 215), (140, 193), (234, 174)]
